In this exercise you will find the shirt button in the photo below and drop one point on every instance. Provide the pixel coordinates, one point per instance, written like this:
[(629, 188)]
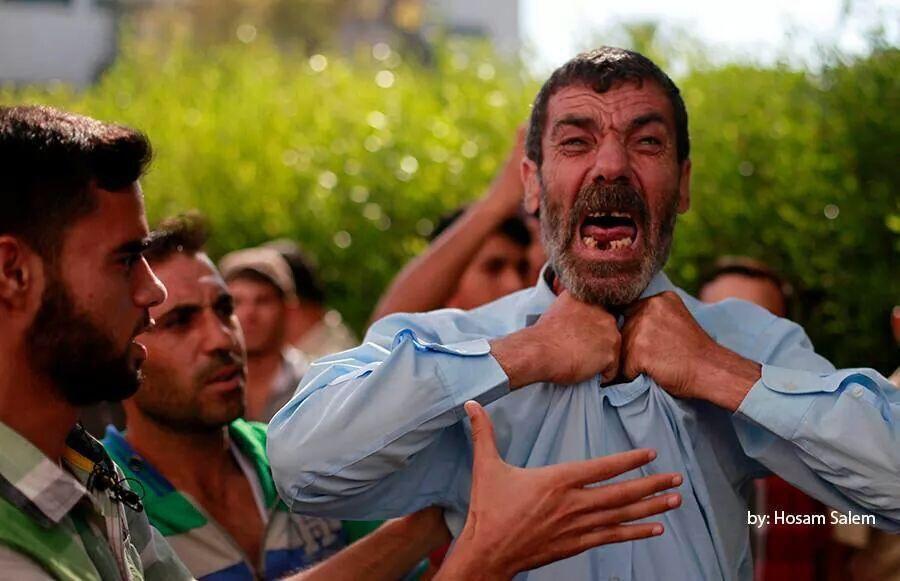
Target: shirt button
[(858, 391)]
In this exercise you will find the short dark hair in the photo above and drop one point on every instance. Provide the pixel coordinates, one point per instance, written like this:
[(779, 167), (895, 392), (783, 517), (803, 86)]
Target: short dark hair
[(513, 227), (181, 234), (601, 69), (50, 160), (303, 270), (749, 267)]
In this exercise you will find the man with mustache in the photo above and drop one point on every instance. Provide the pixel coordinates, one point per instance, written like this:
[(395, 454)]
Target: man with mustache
[(603, 355), (74, 292), (203, 470)]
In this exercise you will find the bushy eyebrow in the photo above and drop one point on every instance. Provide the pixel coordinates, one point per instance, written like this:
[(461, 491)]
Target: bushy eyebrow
[(179, 311), (133, 246), (646, 119), (578, 121)]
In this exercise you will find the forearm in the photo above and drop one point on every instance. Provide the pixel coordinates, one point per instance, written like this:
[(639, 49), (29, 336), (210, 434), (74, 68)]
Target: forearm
[(429, 280), (392, 550), (725, 379)]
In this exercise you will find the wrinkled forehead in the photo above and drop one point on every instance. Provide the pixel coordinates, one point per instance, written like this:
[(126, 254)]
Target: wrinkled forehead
[(189, 279), (619, 105)]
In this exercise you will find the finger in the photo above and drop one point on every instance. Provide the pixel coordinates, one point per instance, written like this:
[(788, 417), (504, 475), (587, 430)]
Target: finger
[(623, 493), (618, 534), (630, 512), (611, 371), (483, 444), (576, 543), (599, 469)]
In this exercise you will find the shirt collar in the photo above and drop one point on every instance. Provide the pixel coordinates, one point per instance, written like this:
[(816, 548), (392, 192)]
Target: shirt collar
[(35, 484), (542, 295)]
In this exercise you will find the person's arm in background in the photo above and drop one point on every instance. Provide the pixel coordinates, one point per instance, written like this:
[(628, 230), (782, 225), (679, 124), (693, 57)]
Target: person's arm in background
[(429, 280), (519, 518), (388, 553)]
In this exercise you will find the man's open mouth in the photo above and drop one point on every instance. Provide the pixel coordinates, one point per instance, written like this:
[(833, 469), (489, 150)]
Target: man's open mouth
[(608, 230)]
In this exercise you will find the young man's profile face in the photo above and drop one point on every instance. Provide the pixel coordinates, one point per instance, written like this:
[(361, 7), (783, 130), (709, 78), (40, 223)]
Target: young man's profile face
[(609, 188), (96, 300)]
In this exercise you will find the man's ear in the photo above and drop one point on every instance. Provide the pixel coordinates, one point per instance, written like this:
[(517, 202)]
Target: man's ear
[(18, 266), (684, 187), (531, 180)]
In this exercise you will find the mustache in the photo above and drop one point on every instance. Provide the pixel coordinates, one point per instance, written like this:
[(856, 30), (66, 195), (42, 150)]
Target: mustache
[(614, 197), (220, 360)]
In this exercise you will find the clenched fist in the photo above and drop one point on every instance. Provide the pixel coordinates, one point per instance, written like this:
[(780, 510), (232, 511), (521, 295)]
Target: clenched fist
[(571, 342), (662, 340)]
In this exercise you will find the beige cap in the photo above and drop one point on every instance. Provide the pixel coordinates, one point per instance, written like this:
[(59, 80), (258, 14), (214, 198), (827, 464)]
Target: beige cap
[(266, 262)]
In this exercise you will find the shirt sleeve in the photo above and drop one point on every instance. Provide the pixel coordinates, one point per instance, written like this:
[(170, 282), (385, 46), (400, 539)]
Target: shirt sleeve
[(833, 434), (344, 448)]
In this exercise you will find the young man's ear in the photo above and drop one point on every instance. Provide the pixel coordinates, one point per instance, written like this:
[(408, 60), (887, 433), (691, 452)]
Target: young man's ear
[(684, 187), (531, 180), (17, 272)]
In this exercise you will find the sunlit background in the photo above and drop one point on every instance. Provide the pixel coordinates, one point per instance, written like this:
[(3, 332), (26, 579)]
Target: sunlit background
[(352, 125)]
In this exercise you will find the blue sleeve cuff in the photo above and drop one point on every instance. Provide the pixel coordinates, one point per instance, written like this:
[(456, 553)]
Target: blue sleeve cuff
[(478, 378), (781, 398)]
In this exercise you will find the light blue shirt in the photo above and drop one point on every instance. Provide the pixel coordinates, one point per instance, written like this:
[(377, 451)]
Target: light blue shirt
[(379, 431)]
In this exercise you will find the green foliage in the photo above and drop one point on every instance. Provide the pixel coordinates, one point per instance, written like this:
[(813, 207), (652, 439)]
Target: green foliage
[(271, 143), (801, 172)]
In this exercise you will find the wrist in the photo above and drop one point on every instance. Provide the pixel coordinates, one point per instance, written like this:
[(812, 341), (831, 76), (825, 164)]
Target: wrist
[(473, 559), (726, 379), (519, 355)]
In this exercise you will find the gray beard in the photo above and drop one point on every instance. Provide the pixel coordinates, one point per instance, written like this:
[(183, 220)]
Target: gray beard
[(585, 279)]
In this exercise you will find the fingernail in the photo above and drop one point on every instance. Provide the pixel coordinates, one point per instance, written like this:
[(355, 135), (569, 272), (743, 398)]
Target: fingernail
[(652, 455), (677, 480), (657, 530), (674, 500)]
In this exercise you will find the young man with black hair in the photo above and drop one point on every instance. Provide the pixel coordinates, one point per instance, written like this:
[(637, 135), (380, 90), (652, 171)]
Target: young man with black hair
[(75, 291)]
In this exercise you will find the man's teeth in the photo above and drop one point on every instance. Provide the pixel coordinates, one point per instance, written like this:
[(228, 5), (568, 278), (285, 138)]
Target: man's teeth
[(614, 245), (613, 214)]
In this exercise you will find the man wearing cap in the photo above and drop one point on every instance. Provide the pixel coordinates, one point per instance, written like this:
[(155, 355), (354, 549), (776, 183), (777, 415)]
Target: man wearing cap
[(263, 288)]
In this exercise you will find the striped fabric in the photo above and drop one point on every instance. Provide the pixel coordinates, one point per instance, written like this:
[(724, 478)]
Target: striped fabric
[(291, 541), (48, 514)]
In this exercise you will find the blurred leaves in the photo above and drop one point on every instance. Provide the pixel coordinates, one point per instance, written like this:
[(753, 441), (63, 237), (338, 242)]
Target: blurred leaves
[(357, 157)]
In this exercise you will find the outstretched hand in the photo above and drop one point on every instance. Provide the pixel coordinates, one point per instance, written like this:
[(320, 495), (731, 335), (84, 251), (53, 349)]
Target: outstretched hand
[(523, 518)]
